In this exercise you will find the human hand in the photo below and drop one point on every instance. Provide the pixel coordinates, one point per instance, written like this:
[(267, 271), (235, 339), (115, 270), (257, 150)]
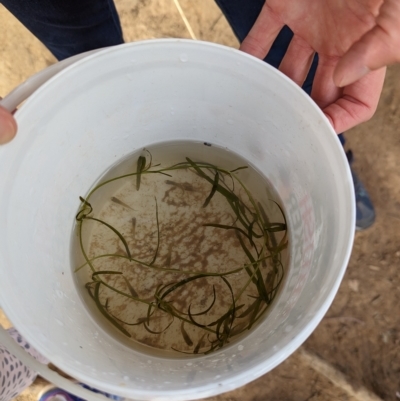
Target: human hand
[(8, 126), (380, 46), (329, 28)]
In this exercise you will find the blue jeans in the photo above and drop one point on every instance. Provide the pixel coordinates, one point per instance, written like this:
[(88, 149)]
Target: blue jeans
[(69, 27)]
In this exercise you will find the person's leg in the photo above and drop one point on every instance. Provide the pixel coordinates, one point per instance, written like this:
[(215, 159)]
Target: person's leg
[(14, 376), (241, 15), (69, 27)]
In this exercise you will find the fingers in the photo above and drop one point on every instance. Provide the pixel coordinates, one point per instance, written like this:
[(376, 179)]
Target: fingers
[(358, 102), (8, 126), (377, 48), (324, 90), (297, 60), (262, 34)]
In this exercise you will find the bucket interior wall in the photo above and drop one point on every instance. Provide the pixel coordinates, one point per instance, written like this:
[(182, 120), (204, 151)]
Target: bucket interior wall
[(94, 113)]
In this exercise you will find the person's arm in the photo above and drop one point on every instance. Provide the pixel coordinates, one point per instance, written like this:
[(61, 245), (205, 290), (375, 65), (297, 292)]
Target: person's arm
[(329, 28), (8, 126)]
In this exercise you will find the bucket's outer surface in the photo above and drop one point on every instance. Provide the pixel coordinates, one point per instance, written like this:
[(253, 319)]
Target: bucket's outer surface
[(106, 106)]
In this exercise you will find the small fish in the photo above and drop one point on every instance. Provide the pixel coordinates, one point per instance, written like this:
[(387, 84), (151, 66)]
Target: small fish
[(199, 345), (141, 165), (184, 186), (249, 309), (119, 202), (269, 281), (169, 257), (121, 252), (185, 336), (131, 289), (213, 190), (145, 319), (133, 226), (238, 329)]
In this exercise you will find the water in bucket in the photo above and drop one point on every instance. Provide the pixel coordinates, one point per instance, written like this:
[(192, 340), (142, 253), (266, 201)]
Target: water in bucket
[(220, 96), (173, 266)]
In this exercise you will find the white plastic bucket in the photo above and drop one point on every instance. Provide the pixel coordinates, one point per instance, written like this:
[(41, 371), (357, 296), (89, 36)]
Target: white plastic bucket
[(115, 101)]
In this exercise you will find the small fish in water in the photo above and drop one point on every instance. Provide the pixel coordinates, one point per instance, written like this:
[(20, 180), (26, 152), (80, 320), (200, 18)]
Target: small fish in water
[(169, 256), (199, 345), (133, 227), (239, 328), (184, 186), (185, 336), (269, 281), (121, 252), (146, 319), (130, 288), (118, 202)]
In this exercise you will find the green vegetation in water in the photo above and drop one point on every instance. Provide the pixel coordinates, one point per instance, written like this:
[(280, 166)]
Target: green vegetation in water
[(260, 240)]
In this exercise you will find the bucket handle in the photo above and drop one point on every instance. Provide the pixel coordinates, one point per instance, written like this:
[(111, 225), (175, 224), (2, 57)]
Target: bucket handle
[(45, 371), (11, 101)]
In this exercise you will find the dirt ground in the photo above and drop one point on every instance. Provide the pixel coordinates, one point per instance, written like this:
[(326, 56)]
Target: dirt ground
[(354, 354)]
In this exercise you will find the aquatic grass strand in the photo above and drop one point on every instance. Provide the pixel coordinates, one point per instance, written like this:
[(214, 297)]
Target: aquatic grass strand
[(260, 240)]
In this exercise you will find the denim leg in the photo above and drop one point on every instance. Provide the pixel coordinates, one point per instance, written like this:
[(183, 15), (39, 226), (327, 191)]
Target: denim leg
[(69, 27), (241, 14)]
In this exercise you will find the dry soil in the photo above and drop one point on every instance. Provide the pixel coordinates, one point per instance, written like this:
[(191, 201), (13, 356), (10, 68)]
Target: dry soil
[(355, 351)]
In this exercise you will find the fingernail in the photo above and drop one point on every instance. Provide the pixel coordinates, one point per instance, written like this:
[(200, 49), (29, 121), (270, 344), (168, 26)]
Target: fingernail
[(7, 131), (353, 74)]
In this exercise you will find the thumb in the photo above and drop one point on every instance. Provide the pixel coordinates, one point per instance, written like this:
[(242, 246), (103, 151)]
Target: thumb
[(377, 48), (8, 126)]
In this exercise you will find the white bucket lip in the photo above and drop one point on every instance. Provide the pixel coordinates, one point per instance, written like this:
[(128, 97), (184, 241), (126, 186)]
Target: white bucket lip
[(236, 380)]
